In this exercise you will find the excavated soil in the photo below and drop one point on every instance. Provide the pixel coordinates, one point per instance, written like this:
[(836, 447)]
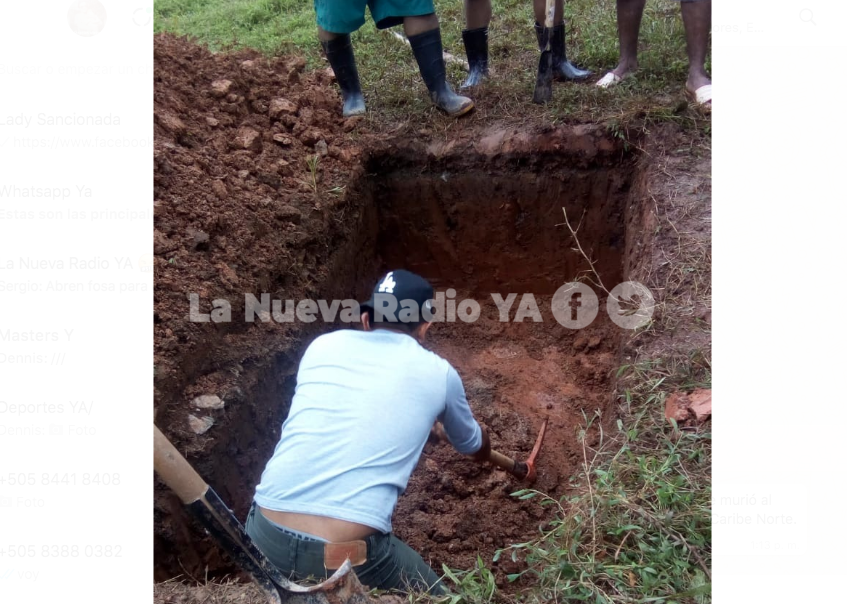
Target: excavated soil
[(243, 207)]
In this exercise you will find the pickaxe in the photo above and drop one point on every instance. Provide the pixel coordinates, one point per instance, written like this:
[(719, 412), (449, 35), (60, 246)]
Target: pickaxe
[(524, 470)]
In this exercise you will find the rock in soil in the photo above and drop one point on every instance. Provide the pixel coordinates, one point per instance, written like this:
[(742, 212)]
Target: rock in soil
[(280, 107), (221, 88), (247, 138), (691, 408), (208, 401), (200, 425)]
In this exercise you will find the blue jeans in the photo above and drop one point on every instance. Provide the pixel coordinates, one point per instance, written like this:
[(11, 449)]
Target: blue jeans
[(391, 564)]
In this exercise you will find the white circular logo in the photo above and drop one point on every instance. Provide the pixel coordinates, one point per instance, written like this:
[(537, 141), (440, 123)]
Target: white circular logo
[(142, 16), (575, 305), (87, 17), (630, 305)]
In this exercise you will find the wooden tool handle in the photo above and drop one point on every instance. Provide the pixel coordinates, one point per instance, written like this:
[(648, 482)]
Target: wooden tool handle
[(501, 461), (175, 471), (550, 9), (518, 469)]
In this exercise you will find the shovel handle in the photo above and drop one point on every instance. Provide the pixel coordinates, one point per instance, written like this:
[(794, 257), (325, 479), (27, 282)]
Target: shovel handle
[(204, 504), (549, 11), (175, 471)]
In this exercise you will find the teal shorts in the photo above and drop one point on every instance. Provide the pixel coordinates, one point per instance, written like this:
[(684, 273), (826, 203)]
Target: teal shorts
[(346, 16)]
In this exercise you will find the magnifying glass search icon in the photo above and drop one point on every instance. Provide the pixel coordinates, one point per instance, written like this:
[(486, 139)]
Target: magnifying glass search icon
[(807, 16)]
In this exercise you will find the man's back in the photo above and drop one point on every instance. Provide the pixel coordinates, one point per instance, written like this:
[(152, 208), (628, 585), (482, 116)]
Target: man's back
[(364, 404)]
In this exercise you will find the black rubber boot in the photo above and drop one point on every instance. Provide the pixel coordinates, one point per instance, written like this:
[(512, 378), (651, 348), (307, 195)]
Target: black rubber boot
[(476, 47), (562, 68), (429, 55), (339, 53)]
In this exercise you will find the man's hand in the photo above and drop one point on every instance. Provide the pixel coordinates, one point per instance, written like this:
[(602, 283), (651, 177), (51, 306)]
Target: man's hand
[(437, 434), (485, 450)]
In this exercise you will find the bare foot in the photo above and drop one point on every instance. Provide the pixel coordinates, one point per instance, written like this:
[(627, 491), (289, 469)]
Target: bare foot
[(696, 81), (625, 68)]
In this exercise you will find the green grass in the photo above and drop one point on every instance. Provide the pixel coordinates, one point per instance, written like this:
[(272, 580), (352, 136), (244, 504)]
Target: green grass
[(271, 26), (393, 86), (638, 526)]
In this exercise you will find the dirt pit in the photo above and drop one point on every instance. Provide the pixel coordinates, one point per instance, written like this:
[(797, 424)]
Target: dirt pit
[(481, 230), (481, 214)]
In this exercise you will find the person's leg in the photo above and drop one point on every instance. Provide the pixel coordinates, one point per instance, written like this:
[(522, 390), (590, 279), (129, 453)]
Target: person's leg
[(339, 53), (336, 20), (697, 19), (425, 38), (563, 69), (477, 13), (475, 37), (326, 36), (413, 26), (629, 22), (394, 565)]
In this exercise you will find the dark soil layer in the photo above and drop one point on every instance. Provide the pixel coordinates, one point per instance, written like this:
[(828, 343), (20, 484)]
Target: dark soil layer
[(239, 211), (487, 229)]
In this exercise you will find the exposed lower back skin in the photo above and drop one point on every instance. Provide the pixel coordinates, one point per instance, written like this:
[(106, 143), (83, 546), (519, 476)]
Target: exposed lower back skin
[(331, 529)]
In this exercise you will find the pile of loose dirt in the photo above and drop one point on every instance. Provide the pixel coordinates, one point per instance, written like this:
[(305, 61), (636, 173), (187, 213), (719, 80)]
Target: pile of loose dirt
[(249, 159), (237, 207)]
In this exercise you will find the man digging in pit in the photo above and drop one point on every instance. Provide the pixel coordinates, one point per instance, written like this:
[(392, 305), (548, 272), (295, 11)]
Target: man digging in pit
[(365, 403), (337, 19)]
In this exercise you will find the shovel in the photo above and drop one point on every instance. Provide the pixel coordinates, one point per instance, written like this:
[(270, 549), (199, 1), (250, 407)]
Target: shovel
[(523, 470), (544, 79), (342, 587)]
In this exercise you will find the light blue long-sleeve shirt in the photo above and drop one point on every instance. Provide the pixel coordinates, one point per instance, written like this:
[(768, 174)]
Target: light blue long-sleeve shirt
[(360, 416)]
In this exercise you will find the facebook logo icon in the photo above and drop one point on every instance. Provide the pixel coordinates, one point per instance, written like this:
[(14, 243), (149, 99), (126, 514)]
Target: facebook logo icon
[(575, 305)]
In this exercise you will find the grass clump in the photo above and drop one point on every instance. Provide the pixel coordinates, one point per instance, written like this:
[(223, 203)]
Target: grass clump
[(474, 586)]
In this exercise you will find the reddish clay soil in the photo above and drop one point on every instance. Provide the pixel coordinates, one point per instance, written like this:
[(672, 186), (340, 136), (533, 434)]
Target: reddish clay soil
[(237, 211), (516, 375)]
